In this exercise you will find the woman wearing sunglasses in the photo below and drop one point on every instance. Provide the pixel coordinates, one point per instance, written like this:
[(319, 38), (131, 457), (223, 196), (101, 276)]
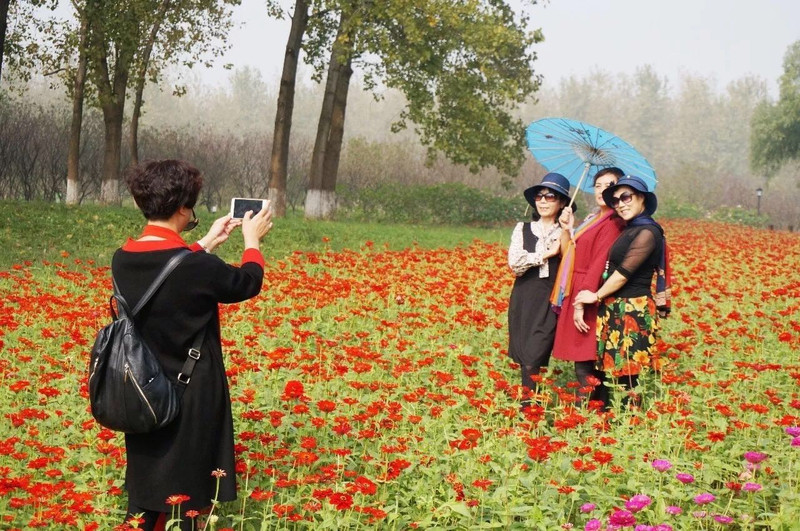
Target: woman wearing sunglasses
[(533, 256), (582, 264), (179, 458), (627, 317)]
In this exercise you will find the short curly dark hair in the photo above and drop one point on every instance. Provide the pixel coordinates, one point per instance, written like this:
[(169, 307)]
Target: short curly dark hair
[(161, 187)]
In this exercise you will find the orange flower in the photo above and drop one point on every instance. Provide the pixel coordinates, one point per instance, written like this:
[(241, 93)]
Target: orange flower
[(177, 499)]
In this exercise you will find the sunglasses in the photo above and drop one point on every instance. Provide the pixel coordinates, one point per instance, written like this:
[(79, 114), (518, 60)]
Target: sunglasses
[(193, 223), (550, 197), (623, 198)]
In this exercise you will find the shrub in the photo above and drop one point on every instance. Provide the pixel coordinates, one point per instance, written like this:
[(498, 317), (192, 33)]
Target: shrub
[(739, 216), (451, 204)]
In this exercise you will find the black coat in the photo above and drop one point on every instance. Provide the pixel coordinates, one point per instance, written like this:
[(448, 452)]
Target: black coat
[(179, 458)]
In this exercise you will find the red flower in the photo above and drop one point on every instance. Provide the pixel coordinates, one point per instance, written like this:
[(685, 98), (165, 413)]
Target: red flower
[(471, 434), (341, 501), (326, 406), (363, 485), (282, 510), (262, 495), (293, 389), (308, 443), (602, 457), (305, 458), (482, 484)]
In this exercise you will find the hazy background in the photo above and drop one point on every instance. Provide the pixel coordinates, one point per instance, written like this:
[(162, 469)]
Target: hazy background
[(679, 80), (722, 40)]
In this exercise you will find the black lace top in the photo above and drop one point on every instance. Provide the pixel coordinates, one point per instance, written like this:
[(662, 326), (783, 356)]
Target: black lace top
[(636, 255)]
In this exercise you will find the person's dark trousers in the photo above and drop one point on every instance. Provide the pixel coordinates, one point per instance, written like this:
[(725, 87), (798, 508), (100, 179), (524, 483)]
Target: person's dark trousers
[(584, 370), (628, 384), (528, 373)]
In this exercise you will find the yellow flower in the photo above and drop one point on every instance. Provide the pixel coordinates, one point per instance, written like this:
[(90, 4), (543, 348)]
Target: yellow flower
[(627, 343), (639, 303), (641, 357), (613, 338)]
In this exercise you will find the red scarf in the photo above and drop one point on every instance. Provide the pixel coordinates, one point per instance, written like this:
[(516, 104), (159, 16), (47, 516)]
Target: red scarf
[(563, 285)]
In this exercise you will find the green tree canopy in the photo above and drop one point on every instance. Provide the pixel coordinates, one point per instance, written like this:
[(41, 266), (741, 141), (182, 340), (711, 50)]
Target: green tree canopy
[(775, 128), (463, 66)]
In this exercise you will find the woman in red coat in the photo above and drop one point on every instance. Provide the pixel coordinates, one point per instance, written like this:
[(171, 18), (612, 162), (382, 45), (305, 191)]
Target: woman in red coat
[(582, 266)]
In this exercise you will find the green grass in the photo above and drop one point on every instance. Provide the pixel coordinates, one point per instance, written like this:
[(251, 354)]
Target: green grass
[(34, 231)]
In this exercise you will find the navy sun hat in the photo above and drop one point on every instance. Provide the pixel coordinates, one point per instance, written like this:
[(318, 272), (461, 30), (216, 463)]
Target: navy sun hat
[(631, 181), (552, 181)]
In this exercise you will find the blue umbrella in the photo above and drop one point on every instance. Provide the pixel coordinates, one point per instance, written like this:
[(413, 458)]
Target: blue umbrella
[(575, 149)]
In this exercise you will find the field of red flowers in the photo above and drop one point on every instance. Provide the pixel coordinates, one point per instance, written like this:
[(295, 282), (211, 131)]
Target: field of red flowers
[(372, 388)]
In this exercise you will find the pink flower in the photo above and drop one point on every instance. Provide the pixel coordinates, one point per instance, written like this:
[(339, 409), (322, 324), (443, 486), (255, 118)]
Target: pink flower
[(662, 465), (702, 499), (755, 457), (622, 518), (751, 487), (723, 519), (794, 431), (638, 502), (588, 507), (796, 441), (685, 478), (673, 510), (593, 525)]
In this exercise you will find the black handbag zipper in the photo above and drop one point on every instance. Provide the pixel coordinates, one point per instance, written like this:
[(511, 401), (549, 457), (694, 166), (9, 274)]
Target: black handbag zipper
[(139, 389)]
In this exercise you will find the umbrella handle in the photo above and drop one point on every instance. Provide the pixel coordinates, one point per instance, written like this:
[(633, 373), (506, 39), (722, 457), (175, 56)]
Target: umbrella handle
[(580, 182)]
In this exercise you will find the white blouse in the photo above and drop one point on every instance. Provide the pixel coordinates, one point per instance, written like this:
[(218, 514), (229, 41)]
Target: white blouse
[(520, 260)]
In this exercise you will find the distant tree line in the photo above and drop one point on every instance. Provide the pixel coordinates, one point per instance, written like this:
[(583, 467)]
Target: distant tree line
[(441, 93), (698, 140)]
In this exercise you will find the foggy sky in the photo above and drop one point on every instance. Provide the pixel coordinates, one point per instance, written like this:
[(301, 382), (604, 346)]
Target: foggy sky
[(721, 40)]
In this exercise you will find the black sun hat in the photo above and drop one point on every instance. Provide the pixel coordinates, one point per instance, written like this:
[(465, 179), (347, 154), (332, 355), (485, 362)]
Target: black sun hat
[(638, 184), (552, 181)]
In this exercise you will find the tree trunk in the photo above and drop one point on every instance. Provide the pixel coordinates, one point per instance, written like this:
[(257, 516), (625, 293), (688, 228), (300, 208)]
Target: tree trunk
[(74, 155), (112, 119), (320, 202), (333, 151), (111, 92), (278, 165), (3, 27), (113, 114), (141, 78)]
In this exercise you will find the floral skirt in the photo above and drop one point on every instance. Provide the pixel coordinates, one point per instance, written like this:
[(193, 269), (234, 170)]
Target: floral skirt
[(626, 335)]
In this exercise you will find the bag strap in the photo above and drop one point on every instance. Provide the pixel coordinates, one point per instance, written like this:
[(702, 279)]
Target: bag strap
[(162, 276), (193, 355), (191, 360)]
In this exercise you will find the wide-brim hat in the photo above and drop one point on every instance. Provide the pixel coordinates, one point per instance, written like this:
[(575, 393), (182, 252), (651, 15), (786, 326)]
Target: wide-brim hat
[(631, 181), (552, 181)]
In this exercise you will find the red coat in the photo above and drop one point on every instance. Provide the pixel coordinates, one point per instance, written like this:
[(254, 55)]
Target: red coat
[(591, 253)]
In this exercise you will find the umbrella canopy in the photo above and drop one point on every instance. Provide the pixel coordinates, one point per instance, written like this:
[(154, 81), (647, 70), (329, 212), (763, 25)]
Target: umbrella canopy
[(576, 149)]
